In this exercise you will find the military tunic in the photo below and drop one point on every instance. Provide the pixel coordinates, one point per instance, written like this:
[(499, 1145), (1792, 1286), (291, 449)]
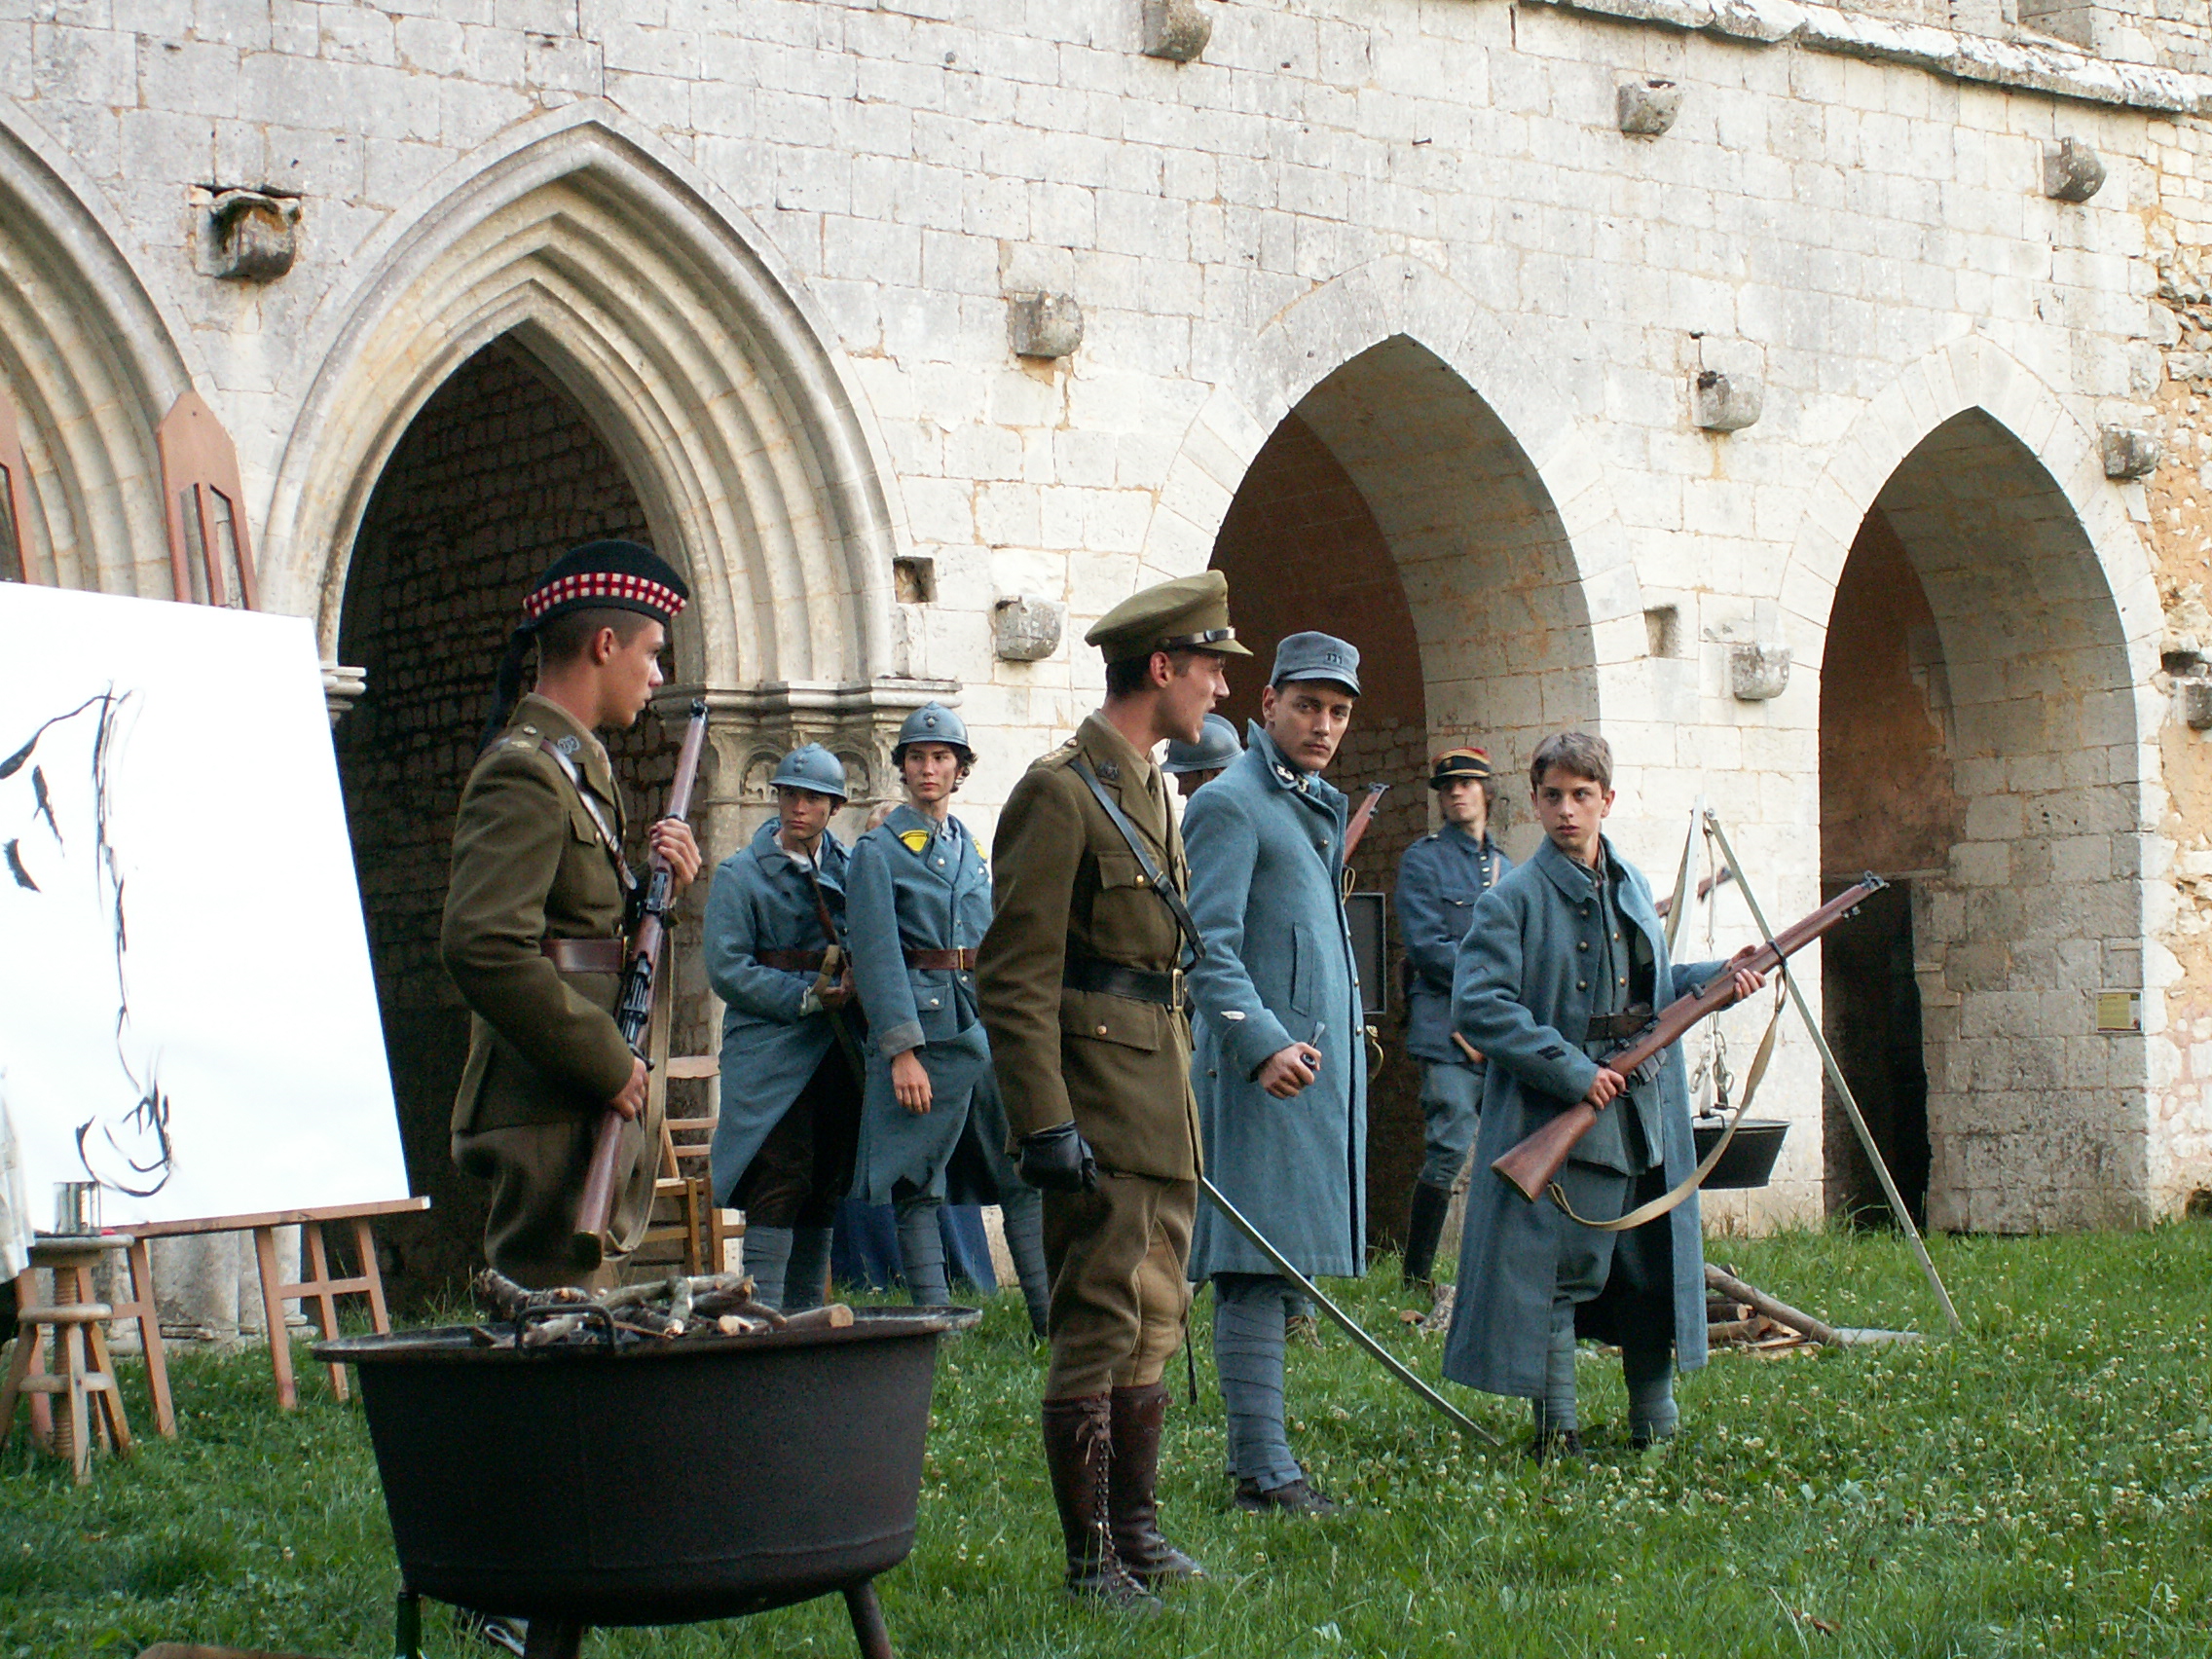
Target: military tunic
[(1439, 879), (1537, 965), (912, 884), (535, 858), (1266, 871), (762, 901), (1069, 890)]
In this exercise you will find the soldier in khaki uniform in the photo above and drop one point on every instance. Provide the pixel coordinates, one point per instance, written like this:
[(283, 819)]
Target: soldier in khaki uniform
[(1081, 986), (536, 910)]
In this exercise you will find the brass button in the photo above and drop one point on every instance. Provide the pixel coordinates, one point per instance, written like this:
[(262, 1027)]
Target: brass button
[(1102, 1031), (1582, 944), (1583, 985)]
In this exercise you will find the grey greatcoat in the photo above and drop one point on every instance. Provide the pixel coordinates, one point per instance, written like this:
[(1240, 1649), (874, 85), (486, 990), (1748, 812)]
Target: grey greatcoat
[(1265, 845), (915, 884), (1523, 993), (762, 900)]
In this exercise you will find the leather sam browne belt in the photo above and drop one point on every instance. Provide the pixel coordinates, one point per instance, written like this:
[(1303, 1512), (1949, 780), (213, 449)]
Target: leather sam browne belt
[(791, 961), (585, 955), (1119, 980), (943, 961)]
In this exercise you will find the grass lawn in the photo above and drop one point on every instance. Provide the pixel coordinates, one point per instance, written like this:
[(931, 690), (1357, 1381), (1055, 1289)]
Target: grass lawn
[(2042, 1485)]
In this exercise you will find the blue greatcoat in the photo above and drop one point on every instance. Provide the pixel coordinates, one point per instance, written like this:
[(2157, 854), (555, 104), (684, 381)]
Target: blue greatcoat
[(1266, 847), (1522, 994), (1439, 880), (762, 900), (913, 884)]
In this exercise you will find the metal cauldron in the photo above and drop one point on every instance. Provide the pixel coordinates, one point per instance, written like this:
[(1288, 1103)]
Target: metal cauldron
[(658, 1482), (1750, 1159)]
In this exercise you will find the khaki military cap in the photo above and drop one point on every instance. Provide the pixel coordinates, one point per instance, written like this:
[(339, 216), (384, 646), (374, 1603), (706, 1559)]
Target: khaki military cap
[(1188, 613)]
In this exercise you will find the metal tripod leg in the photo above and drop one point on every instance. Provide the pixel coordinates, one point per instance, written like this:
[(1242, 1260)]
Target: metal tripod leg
[(407, 1627), (869, 1627)]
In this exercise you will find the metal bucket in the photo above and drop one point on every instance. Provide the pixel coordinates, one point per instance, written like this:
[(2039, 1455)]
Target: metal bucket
[(661, 1483), (1750, 1159)]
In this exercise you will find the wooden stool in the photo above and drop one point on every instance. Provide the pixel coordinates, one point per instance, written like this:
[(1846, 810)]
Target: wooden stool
[(83, 1378)]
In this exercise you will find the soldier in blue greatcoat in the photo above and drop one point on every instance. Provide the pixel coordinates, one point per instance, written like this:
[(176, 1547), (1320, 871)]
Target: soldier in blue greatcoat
[(1439, 879), (1564, 963), (918, 902), (790, 1087), (1280, 1069)]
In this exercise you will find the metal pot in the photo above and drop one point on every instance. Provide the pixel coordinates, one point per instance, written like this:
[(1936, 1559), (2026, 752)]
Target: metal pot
[(661, 1483), (1750, 1159)]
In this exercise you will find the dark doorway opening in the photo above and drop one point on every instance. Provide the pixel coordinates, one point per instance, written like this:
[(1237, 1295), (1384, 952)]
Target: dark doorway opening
[(498, 474), (1870, 1013)]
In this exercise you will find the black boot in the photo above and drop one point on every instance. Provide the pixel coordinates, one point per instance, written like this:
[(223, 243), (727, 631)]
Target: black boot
[(1078, 1456), (1424, 1225), (1139, 1415)]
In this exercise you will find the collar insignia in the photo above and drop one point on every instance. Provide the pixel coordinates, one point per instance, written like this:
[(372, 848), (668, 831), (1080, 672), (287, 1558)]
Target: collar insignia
[(1109, 771), (916, 839), (568, 745)]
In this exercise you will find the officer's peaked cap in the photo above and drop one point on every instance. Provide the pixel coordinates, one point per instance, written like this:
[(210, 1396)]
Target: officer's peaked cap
[(811, 767), (1317, 656), (606, 575), (1188, 613), (1458, 763), (1216, 747), (932, 722)]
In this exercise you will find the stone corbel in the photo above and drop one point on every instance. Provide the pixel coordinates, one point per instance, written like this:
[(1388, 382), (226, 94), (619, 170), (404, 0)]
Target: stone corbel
[(342, 688)]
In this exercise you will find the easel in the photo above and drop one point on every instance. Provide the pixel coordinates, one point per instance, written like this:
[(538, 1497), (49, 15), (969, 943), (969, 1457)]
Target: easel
[(276, 1295)]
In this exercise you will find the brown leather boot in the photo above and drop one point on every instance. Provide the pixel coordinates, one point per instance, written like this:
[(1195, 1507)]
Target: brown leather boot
[(1078, 1456), (1139, 1414)]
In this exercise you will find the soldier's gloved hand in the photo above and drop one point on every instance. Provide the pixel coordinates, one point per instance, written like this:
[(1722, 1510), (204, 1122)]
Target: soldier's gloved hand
[(1057, 1160)]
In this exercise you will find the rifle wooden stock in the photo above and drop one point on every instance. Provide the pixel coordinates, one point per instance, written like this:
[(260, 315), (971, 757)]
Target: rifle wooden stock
[(1531, 1167), (632, 1014), (1666, 900), (1356, 830)]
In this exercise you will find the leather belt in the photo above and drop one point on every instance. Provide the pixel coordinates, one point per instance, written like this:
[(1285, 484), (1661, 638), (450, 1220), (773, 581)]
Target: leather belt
[(1618, 1027), (585, 955), (944, 961), (1119, 980), (791, 961)]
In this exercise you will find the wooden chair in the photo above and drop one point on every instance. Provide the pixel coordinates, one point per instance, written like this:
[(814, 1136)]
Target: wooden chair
[(686, 1227), (83, 1378)]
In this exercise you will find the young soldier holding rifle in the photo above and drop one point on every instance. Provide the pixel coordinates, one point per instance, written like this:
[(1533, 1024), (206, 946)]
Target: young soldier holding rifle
[(1564, 963), (792, 1069), (535, 913)]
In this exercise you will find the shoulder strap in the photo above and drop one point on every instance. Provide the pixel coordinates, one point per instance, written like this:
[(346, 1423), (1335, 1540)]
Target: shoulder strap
[(1160, 883), (606, 836)]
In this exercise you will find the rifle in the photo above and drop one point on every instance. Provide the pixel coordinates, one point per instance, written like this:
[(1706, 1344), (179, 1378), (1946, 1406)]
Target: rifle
[(1361, 819), (1528, 1168), (833, 969), (633, 1011)]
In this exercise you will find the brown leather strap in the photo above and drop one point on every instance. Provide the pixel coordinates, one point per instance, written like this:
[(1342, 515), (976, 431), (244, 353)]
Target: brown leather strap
[(791, 961), (1619, 1027), (951, 961), (585, 955)]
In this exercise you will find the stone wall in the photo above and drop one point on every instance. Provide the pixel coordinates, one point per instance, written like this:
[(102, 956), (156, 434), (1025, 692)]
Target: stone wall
[(769, 253)]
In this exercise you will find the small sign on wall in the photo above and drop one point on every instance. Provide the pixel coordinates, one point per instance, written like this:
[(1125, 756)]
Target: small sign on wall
[(2119, 1010)]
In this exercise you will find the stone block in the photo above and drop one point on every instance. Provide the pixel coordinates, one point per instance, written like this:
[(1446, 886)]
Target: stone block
[(2192, 700), (2072, 171), (1177, 30), (1044, 325), (1723, 403), (1758, 671), (2128, 451), (1025, 628), (256, 236), (1647, 108)]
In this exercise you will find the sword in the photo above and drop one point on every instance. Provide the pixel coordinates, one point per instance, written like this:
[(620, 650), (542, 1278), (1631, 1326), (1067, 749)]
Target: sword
[(1350, 1326)]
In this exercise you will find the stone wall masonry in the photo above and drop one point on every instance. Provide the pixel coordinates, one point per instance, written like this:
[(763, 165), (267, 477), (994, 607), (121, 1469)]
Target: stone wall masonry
[(1850, 205)]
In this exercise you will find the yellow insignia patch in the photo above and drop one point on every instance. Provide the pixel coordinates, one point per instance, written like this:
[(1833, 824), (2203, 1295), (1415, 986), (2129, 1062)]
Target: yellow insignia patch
[(916, 839), (981, 856)]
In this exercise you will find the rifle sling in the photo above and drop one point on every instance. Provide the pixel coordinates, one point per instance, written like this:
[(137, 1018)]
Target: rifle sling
[(1158, 882), (606, 836)]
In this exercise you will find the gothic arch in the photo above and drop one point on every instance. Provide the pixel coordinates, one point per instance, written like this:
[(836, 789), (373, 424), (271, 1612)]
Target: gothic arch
[(91, 364), (668, 322)]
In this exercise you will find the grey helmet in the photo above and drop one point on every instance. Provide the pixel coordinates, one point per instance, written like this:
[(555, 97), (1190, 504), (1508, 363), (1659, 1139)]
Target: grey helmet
[(932, 722), (1216, 747), (810, 766)]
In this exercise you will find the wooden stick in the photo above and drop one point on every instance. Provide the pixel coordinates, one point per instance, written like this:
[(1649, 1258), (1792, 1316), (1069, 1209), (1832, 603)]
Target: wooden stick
[(1780, 1313)]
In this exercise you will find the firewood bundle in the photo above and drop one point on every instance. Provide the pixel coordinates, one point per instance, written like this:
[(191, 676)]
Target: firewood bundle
[(669, 1309)]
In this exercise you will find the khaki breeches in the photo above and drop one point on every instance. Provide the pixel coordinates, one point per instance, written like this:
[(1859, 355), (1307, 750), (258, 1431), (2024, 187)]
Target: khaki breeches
[(1120, 1298), (536, 1172)]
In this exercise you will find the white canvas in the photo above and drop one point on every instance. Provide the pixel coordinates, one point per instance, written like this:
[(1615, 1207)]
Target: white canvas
[(187, 1012)]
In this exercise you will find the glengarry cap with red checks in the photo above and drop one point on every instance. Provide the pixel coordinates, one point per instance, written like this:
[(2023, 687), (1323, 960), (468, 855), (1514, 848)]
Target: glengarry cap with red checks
[(606, 575)]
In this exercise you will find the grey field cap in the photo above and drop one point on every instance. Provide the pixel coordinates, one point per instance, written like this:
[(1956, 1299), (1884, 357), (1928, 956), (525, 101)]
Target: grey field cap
[(1317, 656), (932, 722), (810, 766), (1216, 747)]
